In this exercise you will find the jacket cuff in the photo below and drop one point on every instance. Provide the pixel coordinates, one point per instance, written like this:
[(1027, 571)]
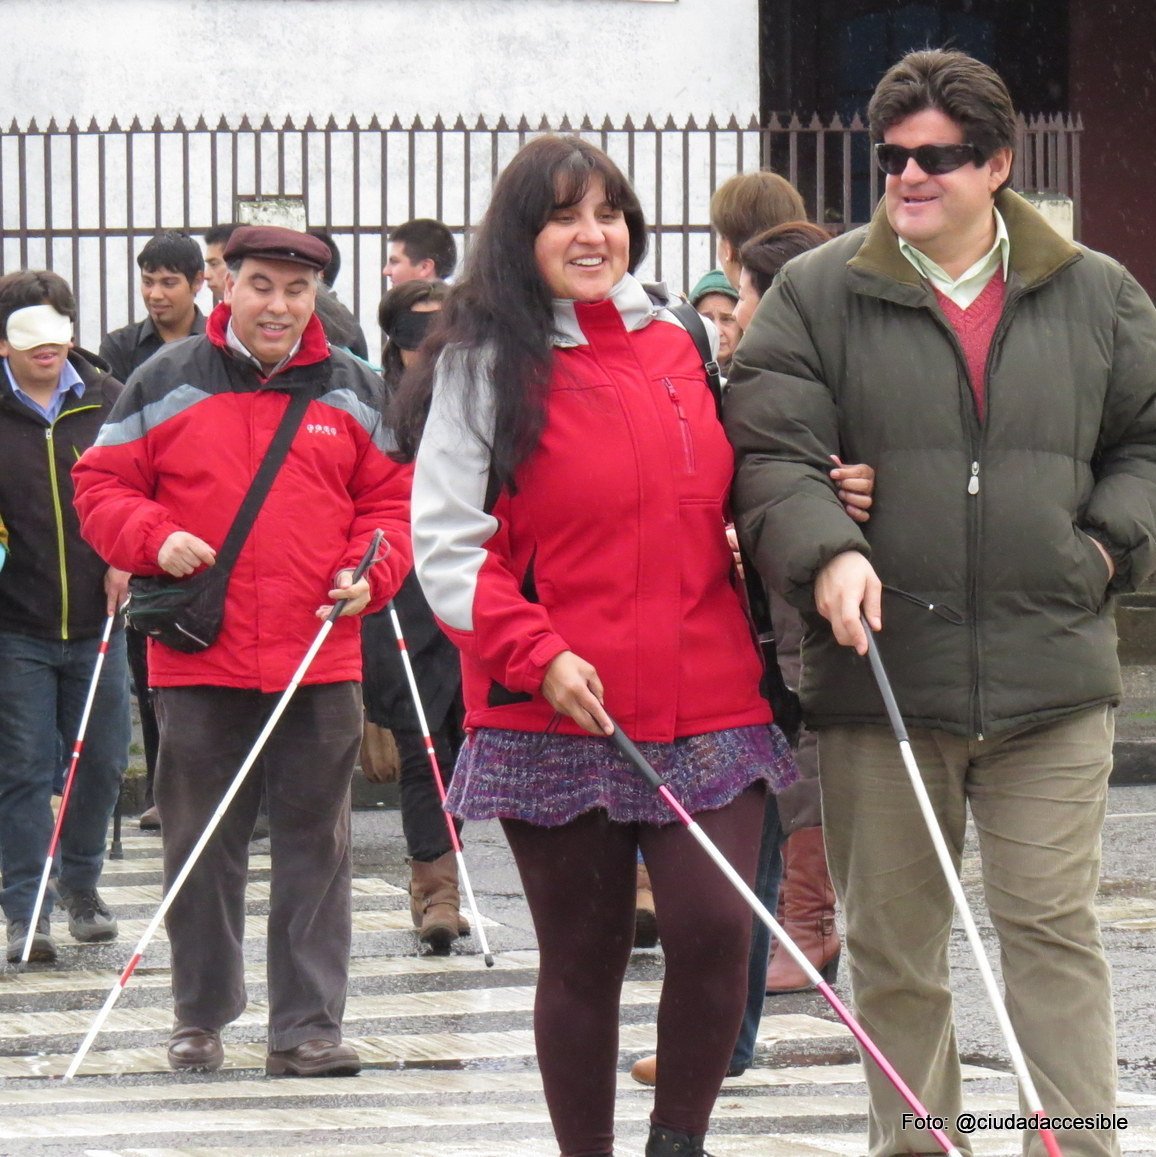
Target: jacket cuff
[(154, 540), (1121, 560), (538, 663)]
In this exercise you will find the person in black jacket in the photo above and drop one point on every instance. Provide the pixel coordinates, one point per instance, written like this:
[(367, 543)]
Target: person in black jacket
[(55, 596), (404, 314), (341, 327), (171, 276)]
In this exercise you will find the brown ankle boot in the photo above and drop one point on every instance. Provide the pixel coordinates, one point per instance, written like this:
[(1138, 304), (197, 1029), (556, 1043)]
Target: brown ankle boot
[(434, 902), (415, 908), (808, 904), (645, 921)]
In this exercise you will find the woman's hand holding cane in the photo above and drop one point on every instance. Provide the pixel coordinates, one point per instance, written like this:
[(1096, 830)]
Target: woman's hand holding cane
[(572, 688)]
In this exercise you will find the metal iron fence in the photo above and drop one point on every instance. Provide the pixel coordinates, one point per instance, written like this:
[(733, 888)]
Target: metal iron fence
[(83, 201)]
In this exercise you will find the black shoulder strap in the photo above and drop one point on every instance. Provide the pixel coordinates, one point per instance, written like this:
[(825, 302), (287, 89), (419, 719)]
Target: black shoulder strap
[(493, 490), (784, 702), (263, 479)]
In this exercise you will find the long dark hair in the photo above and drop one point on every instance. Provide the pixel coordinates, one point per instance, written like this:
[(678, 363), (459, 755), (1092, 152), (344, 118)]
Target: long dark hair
[(500, 312)]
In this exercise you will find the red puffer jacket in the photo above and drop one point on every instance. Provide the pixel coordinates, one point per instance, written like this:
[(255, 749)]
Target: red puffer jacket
[(178, 453), (613, 547)]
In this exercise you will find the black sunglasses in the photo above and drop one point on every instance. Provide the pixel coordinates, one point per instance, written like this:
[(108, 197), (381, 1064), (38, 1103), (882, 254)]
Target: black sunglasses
[(934, 160)]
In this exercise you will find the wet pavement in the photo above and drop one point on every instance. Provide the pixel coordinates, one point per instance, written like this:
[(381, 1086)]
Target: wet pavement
[(448, 1043)]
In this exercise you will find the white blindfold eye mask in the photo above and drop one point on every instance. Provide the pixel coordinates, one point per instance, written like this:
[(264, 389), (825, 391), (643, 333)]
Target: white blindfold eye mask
[(38, 325)]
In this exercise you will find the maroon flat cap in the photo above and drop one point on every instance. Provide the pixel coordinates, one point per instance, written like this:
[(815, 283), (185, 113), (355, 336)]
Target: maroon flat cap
[(273, 243)]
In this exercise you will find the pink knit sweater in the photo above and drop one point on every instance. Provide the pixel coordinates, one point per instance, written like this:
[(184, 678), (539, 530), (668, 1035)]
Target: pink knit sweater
[(975, 327)]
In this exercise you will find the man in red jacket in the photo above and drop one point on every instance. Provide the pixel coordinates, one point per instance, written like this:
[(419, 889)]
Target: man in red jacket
[(158, 493)]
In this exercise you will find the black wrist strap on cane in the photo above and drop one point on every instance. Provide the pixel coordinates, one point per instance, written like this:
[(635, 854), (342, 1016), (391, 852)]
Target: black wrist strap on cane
[(263, 480)]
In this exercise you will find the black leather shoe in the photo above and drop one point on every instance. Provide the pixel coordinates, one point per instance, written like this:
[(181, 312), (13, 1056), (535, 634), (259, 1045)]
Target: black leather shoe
[(196, 1050), (314, 1058), (666, 1143)]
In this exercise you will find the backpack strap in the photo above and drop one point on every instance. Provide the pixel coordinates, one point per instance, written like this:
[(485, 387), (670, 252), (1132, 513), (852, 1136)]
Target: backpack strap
[(694, 325)]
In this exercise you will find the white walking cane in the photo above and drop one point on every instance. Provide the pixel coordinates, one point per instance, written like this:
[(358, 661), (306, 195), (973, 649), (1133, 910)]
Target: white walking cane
[(463, 875), (367, 560), (66, 793), (1027, 1085), (640, 764)]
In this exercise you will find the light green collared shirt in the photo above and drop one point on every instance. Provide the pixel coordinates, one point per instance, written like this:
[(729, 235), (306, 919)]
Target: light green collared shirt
[(965, 288)]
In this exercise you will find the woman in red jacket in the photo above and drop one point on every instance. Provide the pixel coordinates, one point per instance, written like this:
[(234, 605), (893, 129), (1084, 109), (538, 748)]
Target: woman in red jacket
[(569, 510)]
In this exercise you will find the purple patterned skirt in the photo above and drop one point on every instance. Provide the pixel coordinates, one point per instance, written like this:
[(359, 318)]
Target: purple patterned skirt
[(549, 779)]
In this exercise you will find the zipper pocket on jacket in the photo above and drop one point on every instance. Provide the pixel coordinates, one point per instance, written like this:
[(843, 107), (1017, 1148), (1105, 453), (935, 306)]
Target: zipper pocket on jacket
[(683, 424)]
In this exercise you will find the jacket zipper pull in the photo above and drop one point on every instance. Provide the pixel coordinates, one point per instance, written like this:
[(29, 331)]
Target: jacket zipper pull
[(973, 481)]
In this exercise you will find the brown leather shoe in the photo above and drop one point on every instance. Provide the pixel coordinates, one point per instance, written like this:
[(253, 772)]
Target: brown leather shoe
[(314, 1058), (645, 1070), (196, 1050)]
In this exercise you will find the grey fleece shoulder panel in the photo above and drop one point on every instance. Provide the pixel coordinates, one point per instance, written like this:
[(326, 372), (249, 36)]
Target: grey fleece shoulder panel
[(128, 423), (359, 392), (366, 415), (450, 524)]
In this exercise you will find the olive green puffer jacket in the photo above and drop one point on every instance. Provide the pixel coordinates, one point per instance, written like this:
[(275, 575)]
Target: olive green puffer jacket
[(996, 610)]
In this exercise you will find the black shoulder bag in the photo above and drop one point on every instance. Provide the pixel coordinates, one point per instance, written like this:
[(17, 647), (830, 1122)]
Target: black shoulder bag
[(784, 702), (186, 614)]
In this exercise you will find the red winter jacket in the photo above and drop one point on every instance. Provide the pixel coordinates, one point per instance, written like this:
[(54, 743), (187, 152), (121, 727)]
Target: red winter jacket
[(614, 546), (178, 453)]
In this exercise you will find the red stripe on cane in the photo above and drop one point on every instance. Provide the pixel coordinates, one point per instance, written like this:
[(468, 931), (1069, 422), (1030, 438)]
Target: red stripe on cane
[(674, 805)]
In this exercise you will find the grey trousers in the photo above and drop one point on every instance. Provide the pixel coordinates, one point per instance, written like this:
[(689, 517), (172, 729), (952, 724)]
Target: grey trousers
[(1038, 797), (306, 766)]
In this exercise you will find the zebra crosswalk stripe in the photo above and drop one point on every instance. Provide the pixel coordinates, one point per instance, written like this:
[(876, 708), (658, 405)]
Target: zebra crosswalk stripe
[(424, 1027)]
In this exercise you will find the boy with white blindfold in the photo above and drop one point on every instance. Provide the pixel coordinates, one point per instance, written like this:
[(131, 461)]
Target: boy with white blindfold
[(55, 594)]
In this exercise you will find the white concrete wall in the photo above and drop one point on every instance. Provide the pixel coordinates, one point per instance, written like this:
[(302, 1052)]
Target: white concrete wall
[(97, 58)]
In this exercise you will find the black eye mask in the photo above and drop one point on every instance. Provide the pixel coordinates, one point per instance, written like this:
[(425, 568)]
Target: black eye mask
[(410, 329)]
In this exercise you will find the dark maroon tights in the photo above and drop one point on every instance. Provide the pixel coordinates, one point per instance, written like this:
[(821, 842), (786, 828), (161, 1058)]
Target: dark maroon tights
[(579, 882)]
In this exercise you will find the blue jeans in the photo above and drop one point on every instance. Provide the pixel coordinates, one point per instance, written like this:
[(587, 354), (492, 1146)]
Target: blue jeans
[(43, 687), (768, 877)]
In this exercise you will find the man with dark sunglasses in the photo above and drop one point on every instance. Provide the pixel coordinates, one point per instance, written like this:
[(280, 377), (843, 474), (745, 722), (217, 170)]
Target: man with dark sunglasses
[(1002, 381)]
